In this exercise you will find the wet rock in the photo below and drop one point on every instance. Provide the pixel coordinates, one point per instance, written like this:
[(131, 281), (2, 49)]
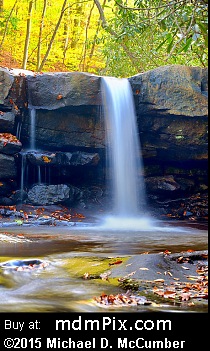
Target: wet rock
[(24, 265), (49, 194), (7, 167), (5, 188), (66, 128), (7, 122), (62, 158), (18, 196), (5, 201), (162, 184), (9, 144)]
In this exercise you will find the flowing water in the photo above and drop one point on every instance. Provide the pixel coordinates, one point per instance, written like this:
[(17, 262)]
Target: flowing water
[(76, 248), (32, 114)]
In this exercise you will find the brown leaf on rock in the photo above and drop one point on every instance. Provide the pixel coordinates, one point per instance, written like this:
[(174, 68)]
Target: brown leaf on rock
[(121, 300), (167, 252), (116, 262), (46, 159), (159, 280)]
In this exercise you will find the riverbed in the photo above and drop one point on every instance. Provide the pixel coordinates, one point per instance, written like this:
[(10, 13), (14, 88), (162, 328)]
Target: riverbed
[(69, 253)]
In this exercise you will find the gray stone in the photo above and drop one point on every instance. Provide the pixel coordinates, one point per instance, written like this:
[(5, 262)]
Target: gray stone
[(7, 167), (48, 194), (55, 90), (7, 122), (6, 81), (9, 144), (172, 90)]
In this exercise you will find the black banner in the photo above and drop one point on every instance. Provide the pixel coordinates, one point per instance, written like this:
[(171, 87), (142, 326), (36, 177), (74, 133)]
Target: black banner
[(102, 331)]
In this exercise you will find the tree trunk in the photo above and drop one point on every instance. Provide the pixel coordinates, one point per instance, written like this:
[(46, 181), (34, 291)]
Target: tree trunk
[(1, 5), (40, 35), (114, 34), (28, 33), (83, 54), (7, 23), (66, 34), (53, 36), (95, 38)]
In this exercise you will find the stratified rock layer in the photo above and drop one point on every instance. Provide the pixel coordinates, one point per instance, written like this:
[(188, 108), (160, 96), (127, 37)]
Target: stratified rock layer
[(70, 138)]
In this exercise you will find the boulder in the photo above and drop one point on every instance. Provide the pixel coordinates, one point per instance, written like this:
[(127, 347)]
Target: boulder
[(6, 81), (13, 92), (7, 122), (162, 185), (62, 158), (7, 167), (50, 194), (171, 90), (9, 144), (51, 91)]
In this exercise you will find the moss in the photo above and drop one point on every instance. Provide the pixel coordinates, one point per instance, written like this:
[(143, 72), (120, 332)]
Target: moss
[(93, 266)]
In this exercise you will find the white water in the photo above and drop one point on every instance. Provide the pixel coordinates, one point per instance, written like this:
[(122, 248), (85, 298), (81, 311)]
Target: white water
[(32, 114), (124, 156)]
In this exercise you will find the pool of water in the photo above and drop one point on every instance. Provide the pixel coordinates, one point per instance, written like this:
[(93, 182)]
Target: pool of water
[(56, 288)]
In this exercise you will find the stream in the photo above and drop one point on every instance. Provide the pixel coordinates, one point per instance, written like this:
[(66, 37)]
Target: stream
[(67, 252)]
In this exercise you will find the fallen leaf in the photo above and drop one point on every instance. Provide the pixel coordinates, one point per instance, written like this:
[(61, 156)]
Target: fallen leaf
[(166, 252), (46, 159), (116, 262), (159, 280)]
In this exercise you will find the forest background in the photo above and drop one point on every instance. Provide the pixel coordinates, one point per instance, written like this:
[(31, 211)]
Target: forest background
[(105, 37)]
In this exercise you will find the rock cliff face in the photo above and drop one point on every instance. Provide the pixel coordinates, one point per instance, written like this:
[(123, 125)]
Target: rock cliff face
[(171, 107)]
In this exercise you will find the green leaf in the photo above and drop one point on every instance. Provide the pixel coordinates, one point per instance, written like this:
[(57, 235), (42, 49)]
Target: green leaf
[(170, 45), (186, 46), (19, 221), (160, 45)]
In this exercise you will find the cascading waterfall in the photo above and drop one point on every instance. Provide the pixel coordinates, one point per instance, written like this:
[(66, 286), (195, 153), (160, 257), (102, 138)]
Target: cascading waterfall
[(32, 147), (124, 154), (32, 114)]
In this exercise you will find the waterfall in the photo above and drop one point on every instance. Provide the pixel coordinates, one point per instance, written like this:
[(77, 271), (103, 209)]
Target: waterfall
[(32, 147), (32, 114), (124, 152), (23, 170)]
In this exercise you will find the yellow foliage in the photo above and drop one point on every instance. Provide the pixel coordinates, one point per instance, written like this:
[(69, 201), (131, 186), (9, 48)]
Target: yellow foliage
[(75, 47)]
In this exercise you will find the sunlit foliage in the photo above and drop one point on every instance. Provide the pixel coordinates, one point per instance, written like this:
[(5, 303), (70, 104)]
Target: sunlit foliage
[(105, 37)]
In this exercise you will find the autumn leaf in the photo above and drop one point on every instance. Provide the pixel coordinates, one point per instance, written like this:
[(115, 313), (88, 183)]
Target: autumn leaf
[(59, 97), (166, 252), (169, 294), (46, 159), (185, 296), (78, 215), (159, 280), (7, 137), (116, 262)]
